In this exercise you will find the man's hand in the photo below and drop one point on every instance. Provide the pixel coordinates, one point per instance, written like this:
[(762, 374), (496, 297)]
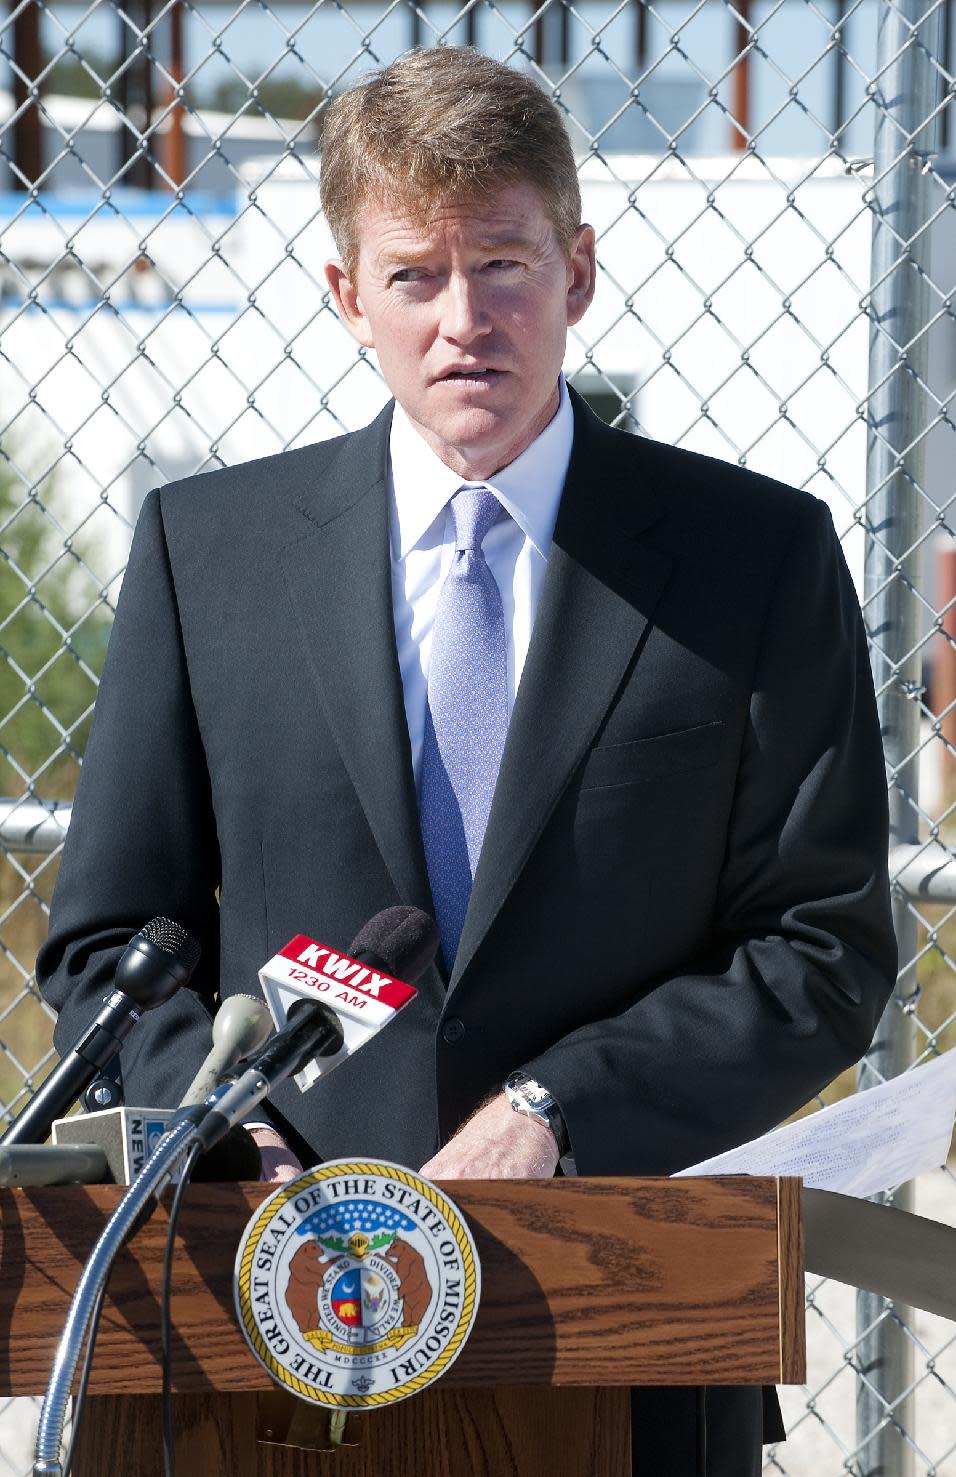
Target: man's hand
[(278, 1161), (496, 1143)]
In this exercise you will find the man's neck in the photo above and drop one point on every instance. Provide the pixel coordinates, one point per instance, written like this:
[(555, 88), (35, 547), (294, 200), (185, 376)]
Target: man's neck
[(478, 464)]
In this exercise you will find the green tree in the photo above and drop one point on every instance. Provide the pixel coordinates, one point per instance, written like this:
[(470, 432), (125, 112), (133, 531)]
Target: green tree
[(53, 634)]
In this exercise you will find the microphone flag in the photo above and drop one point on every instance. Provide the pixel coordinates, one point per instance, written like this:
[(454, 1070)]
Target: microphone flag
[(363, 997)]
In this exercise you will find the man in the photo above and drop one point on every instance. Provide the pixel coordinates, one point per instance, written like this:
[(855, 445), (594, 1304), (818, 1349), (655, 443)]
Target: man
[(602, 706)]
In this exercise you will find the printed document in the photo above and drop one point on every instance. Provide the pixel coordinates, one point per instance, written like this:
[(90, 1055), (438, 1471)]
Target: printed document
[(867, 1143)]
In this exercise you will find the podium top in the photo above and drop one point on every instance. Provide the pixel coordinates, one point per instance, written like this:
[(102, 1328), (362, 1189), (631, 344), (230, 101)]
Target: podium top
[(584, 1282)]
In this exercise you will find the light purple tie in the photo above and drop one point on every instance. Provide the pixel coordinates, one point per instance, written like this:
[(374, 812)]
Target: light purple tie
[(466, 718)]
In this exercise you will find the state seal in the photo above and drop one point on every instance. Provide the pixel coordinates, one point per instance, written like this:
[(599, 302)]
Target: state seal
[(357, 1283)]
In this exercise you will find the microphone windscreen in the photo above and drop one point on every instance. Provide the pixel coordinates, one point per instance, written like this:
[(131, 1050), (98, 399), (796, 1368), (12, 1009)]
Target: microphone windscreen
[(235, 1157), (402, 941), (173, 939), (156, 963)]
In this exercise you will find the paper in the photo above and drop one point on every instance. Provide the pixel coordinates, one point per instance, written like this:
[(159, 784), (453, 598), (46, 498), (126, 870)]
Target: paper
[(866, 1143)]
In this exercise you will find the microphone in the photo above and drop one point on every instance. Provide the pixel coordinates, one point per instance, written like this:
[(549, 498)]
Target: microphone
[(111, 1147), (399, 939), (360, 987), (242, 1025), (25, 1166), (125, 1138), (128, 1136), (362, 992), (156, 963)]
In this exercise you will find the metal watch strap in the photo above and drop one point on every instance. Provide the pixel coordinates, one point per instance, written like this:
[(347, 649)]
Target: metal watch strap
[(533, 1100)]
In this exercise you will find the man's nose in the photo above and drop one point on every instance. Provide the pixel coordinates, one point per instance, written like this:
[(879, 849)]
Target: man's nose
[(464, 314)]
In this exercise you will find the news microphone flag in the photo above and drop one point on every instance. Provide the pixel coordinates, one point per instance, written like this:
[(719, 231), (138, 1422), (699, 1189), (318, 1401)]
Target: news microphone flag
[(126, 1135), (364, 999)]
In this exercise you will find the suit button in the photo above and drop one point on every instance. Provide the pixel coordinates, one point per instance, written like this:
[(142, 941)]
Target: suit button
[(453, 1029)]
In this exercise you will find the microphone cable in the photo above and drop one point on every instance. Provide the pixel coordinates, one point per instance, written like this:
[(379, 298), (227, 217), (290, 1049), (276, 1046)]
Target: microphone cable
[(169, 1452), (80, 1399)]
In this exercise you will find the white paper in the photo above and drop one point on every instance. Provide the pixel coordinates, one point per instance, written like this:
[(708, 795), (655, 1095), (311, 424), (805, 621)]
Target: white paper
[(866, 1143)]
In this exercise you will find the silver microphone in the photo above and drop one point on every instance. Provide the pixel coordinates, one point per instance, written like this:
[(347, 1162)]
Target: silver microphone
[(242, 1025)]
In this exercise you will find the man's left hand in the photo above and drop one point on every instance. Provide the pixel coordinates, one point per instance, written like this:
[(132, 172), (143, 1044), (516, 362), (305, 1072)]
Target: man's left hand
[(496, 1143)]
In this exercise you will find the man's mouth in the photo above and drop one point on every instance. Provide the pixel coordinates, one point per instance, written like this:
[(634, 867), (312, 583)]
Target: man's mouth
[(484, 373)]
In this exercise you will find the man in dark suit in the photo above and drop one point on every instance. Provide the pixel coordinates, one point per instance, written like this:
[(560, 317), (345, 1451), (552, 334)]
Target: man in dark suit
[(603, 706)]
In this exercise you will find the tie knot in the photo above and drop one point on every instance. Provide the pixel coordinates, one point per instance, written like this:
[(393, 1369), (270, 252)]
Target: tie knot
[(474, 510)]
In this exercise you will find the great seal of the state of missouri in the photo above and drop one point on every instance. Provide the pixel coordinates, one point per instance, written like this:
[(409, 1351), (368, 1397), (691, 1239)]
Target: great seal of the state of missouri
[(357, 1283)]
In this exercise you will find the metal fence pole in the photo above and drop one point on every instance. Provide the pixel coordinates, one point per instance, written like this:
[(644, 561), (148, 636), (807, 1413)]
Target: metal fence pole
[(904, 94)]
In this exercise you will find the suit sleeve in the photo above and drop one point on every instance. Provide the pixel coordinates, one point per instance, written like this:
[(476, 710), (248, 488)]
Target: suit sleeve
[(142, 836), (802, 956)]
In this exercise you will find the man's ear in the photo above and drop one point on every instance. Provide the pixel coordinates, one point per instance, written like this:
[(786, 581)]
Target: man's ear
[(582, 270), (348, 303)]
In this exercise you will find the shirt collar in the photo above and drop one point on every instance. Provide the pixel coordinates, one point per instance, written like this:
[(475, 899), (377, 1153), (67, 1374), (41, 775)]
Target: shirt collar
[(529, 487)]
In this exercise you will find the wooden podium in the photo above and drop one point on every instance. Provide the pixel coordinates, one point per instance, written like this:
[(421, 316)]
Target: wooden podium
[(588, 1287)]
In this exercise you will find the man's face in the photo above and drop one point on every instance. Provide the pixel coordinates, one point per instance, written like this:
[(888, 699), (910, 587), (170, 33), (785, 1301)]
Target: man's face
[(468, 317)]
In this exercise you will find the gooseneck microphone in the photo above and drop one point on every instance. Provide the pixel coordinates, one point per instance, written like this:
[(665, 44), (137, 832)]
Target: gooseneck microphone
[(156, 963)]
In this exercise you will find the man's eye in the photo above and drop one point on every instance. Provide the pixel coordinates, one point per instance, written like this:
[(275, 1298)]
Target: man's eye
[(407, 274), (501, 262)]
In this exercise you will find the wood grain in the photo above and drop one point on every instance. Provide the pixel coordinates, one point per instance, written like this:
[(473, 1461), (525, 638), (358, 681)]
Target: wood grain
[(791, 1259), (440, 1433), (603, 1282)]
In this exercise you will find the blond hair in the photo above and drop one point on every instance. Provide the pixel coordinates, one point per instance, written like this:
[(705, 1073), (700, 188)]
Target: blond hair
[(446, 124)]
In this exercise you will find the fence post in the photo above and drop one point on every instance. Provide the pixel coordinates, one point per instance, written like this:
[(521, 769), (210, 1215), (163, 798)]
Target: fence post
[(904, 94)]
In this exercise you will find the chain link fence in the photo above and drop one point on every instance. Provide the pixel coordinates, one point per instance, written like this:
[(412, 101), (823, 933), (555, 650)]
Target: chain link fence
[(773, 194)]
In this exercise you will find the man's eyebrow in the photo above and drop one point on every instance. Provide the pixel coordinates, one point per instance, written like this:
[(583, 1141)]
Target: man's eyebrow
[(394, 256), (391, 256)]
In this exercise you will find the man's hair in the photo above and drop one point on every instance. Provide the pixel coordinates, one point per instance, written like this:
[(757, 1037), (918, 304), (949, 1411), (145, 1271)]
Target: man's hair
[(446, 124)]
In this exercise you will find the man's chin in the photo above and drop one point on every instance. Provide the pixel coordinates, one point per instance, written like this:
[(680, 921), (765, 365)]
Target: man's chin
[(470, 435)]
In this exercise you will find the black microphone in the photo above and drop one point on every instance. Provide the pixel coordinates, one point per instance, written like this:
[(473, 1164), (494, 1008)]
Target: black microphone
[(156, 963), (399, 941)]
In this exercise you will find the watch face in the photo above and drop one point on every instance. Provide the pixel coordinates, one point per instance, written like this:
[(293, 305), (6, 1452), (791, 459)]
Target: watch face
[(528, 1092), (535, 1101)]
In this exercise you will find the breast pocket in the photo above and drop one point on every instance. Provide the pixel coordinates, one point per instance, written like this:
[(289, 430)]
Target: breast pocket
[(635, 763)]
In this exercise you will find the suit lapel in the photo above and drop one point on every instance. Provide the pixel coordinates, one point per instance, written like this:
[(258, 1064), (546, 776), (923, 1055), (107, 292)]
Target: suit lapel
[(599, 590), (340, 578)]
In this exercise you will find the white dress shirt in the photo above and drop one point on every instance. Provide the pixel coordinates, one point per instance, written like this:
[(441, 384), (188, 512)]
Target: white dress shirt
[(423, 546)]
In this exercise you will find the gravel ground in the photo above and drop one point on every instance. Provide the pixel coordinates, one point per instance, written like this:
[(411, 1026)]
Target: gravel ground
[(821, 1439)]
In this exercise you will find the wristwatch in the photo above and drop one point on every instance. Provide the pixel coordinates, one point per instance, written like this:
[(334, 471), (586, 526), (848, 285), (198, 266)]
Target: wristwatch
[(529, 1098)]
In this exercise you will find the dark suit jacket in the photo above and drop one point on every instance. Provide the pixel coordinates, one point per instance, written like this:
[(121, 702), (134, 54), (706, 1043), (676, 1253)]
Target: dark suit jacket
[(680, 919)]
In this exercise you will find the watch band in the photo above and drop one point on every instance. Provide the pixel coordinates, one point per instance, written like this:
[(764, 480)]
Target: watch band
[(533, 1100)]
